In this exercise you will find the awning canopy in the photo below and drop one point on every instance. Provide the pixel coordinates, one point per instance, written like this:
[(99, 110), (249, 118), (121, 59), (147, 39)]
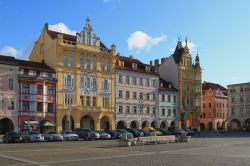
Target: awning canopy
[(47, 124), (31, 122)]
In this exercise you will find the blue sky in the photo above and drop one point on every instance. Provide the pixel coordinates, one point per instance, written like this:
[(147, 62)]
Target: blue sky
[(146, 29)]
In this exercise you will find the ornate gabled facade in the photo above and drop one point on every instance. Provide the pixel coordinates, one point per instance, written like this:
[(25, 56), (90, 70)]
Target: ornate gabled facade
[(86, 78), (186, 77), (136, 94), (214, 113)]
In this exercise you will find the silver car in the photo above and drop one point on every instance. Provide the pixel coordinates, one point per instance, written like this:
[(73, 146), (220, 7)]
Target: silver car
[(53, 136), (69, 136), (104, 135), (32, 136)]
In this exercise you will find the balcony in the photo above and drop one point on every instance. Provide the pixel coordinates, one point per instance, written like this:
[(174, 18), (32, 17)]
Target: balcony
[(37, 114)]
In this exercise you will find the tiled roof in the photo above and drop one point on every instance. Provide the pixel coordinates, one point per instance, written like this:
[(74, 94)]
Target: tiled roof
[(8, 60), (212, 86), (128, 61), (25, 64), (166, 86)]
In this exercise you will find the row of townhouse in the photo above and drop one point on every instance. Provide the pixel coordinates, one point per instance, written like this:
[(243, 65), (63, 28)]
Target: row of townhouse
[(94, 87)]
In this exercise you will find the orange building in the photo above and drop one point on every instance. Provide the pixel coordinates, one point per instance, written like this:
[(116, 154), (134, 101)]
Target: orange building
[(215, 108)]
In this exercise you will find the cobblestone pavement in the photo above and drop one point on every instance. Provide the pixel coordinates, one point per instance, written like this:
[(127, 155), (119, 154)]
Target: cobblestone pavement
[(221, 151)]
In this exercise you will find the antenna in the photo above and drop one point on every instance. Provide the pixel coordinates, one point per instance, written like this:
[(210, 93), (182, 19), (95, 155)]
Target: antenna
[(179, 38)]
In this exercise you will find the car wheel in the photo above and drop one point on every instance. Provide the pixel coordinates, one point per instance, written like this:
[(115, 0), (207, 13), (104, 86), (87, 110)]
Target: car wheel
[(68, 139)]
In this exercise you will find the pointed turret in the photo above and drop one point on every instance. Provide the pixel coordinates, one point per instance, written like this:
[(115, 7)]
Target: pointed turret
[(197, 60)]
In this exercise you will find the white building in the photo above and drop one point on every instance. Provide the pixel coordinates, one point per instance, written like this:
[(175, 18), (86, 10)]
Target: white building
[(136, 94), (239, 106), (8, 94)]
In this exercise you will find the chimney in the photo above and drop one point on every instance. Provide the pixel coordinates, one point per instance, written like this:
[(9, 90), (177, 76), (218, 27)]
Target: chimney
[(113, 49), (131, 57), (151, 63), (156, 65)]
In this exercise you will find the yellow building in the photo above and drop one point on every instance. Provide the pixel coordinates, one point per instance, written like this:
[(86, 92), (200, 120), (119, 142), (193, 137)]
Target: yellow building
[(86, 77)]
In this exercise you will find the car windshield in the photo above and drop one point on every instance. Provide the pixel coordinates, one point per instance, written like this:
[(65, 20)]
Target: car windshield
[(52, 132), (69, 132), (88, 130), (14, 134), (33, 133)]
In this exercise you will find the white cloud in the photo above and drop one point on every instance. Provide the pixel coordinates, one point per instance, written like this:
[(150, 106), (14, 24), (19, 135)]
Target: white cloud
[(141, 40), (61, 27), (11, 51)]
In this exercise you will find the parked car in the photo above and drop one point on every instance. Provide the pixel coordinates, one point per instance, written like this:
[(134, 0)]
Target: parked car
[(114, 134), (104, 135), (53, 136), (163, 131), (12, 137), (152, 131), (145, 133), (123, 131), (135, 132), (87, 134), (32, 136), (177, 131), (189, 132), (69, 136)]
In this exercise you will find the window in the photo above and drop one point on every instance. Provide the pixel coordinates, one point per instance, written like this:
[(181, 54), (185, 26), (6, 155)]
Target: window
[(71, 61), (174, 111), (141, 109), (141, 96), (153, 110), (134, 95), (105, 85), (127, 94), (163, 112), (120, 94), (82, 100), (141, 81), (134, 66), (11, 103), (148, 110), (39, 107), (65, 59), (94, 65), (87, 64), (11, 84), (94, 83), (50, 107), (162, 97), (147, 82), (154, 83), (209, 105), (88, 82), (148, 96), (25, 88), (241, 99), (102, 67), (169, 112), (232, 100), (153, 96), (134, 81), (25, 106), (169, 98), (105, 102), (120, 79), (94, 101), (127, 109), (120, 109), (50, 90), (204, 105), (68, 81), (127, 80), (88, 101), (134, 109), (108, 67), (39, 89), (174, 98), (81, 63)]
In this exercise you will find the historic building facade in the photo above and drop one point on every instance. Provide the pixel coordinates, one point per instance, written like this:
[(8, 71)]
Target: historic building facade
[(215, 107), (168, 105), (86, 77), (186, 77), (136, 94), (37, 97), (239, 106), (8, 94)]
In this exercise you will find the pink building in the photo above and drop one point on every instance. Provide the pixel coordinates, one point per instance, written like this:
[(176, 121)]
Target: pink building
[(215, 107)]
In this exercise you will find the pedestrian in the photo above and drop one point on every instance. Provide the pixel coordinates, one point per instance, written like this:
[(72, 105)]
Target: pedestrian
[(199, 131)]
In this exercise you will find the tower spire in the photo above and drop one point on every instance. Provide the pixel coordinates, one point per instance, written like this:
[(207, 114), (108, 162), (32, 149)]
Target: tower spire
[(186, 41)]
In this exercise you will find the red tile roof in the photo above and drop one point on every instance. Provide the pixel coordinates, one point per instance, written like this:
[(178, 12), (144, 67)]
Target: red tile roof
[(213, 86), (8, 60)]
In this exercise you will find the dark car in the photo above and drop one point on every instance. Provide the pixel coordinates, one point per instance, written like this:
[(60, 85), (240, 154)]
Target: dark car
[(189, 132), (87, 134), (12, 137), (163, 131), (123, 131), (177, 131), (135, 132), (114, 134), (145, 133)]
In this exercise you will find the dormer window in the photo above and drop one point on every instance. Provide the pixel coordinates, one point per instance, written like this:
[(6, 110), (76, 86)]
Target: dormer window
[(148, 68), (134, 66), (32, 72), (121, 63)]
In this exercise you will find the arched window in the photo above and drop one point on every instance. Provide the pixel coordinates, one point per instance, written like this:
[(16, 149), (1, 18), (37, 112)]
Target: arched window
[(68, 82), (88, 82), (94, 83), (105, 85), (82, 81)]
